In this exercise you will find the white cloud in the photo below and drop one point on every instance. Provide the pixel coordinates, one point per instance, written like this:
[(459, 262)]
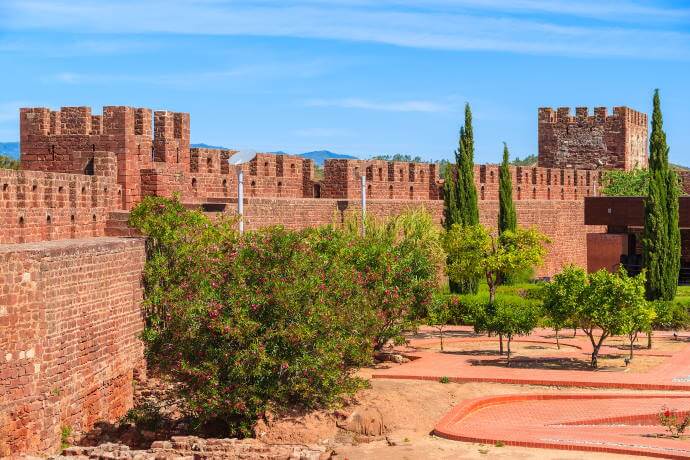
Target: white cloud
[(272, 70), (626, 29), (365, 104)]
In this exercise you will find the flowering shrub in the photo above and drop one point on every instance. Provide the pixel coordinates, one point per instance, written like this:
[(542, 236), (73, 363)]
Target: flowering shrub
[(674, 422), (272, 319), (400, 261)]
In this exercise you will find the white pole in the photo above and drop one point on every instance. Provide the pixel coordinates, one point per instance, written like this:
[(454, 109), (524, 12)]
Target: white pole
[(364, 204), (240, 197)]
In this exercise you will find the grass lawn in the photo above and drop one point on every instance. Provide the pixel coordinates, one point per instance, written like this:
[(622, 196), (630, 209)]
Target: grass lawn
[(683, 293)]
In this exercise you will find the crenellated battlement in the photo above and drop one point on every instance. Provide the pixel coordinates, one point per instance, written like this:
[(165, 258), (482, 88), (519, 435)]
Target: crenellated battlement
[(115, 120), (592, 141), (536, 183), (599, 116), (385, 179)]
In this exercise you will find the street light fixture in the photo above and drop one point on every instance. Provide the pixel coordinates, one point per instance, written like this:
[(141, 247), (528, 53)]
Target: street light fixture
[(237, 160)]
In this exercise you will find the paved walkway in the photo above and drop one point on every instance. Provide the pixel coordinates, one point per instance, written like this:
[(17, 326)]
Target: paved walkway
[(672, 374), (614, 423), (623, 424)]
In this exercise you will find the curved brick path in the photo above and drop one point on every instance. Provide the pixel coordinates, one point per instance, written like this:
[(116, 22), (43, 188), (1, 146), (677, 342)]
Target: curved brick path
[(623, 424), (614, 423)]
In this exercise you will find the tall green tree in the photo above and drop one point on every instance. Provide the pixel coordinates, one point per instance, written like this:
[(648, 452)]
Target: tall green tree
[(507, 218), (466, 189), (450, 208), (460, 194), (661, 240)]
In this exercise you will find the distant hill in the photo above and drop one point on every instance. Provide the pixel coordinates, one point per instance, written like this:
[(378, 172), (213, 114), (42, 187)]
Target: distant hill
[(10, 149), (206, 146), (319, 156)]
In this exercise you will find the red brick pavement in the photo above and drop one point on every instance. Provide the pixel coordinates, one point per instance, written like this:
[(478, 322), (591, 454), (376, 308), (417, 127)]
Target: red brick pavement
[(624, 424), (614, 423), (672, 374)]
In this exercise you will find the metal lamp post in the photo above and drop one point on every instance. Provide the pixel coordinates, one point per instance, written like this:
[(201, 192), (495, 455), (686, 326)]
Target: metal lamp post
[(364, 203), (240, 197), (237, 160)]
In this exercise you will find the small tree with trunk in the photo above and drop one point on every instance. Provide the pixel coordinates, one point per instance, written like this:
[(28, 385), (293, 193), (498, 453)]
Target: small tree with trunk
[(562, 297), (473, 251), (440, 312), (603, 305), (507, 317), (638, 317)]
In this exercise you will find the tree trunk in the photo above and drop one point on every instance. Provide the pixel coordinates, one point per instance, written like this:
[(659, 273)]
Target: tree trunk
[(500, 344), (509, 339), (649, 340), (441, 332), (558, 345), (574, 331), (632, 341), (596, 347), (595, 354)]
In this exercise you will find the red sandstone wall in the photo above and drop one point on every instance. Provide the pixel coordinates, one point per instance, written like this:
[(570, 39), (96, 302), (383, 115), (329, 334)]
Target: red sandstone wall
[(48, 139), (619, 141), (536, 183), (39, 206), (393, 180), (69, 323), (561, 221)]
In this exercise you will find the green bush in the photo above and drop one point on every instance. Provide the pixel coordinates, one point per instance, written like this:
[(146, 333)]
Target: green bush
[(670, 315), (7, 162), (275, 318), (400, 260)]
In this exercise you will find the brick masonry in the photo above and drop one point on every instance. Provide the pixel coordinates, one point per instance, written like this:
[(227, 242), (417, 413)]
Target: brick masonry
[(69, 324), (42, 206), (561, 221), (584, 141)]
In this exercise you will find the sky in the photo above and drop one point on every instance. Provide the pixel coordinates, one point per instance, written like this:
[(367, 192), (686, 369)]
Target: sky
[(362, 77)]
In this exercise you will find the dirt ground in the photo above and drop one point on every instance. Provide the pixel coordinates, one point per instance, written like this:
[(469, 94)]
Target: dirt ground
[(410, 409)]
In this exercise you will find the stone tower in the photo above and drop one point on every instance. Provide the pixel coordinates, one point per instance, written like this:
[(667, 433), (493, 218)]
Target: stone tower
[(601, 141)]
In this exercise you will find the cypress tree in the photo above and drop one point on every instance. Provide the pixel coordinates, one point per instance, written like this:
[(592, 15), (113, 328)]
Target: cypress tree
[(661, 240), (450, 208), (468, 207), (507, 218)]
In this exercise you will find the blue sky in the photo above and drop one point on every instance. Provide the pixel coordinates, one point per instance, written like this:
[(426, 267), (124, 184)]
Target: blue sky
[(362, 77)]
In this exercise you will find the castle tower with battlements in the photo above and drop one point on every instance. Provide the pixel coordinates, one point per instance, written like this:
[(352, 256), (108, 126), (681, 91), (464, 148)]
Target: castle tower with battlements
[(598, 141)]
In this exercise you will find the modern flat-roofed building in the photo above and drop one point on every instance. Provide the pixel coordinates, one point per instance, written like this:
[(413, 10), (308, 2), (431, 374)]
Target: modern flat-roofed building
[(622, 242)]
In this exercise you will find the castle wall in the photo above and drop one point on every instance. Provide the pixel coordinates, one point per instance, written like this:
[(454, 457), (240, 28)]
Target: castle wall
[(42, 206), (561, 220), (393, 180), (599, 141), (536, 183), (69, 324)]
